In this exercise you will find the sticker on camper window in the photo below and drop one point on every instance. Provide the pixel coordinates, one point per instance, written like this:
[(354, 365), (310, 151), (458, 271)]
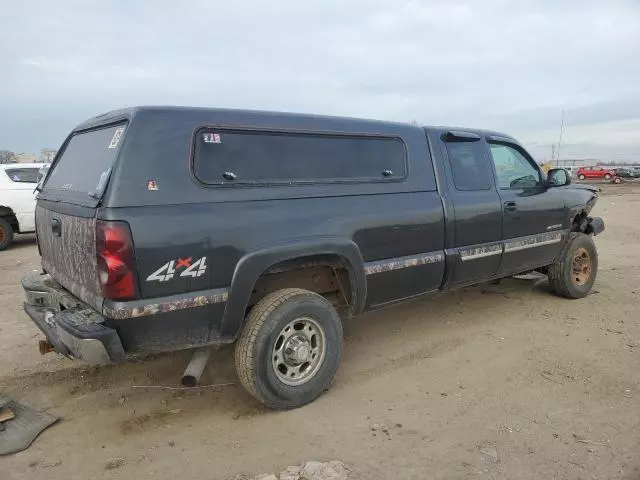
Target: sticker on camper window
[(211, 138), (117, 135), (152, 185)]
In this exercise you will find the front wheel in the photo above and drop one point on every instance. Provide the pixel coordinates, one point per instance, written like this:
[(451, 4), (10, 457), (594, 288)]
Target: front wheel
[(607, 176), (573, 273), (6, 234), (581, 177), (289, 349)]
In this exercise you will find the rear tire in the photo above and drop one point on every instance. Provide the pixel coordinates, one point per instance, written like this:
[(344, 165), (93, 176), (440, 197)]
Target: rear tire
[(289, 349), (573, 273), (6, 234), (581, 177)]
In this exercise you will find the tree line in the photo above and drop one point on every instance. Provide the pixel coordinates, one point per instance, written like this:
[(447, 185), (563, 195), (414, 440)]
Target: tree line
[(46, 155)]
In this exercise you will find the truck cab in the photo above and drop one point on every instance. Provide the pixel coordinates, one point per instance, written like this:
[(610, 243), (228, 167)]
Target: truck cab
[(504, 214)]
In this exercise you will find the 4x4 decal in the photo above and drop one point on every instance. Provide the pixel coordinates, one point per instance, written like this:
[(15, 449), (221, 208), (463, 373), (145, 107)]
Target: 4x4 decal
[(169, 270)]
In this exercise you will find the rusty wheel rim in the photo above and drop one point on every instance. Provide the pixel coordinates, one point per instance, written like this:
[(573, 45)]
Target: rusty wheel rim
[(581, 267), (3, 235)]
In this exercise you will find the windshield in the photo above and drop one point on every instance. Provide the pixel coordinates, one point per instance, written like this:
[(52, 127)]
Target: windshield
[(85, 163)]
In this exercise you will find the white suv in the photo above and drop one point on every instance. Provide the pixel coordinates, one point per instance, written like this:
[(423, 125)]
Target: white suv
[(17, 199)]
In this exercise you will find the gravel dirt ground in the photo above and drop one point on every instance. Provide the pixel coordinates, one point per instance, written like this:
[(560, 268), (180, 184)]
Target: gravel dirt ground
[(501, 381)]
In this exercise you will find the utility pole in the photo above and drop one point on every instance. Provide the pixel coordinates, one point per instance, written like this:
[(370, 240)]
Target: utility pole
[(553, 151), (560, 141)]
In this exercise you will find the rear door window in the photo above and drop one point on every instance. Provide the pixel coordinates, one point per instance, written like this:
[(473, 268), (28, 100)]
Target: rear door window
[(234, 156), (469, 166), (23, 175), (85, 164)]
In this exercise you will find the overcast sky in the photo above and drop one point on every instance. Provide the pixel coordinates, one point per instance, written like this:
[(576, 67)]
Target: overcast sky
[(507, 65)]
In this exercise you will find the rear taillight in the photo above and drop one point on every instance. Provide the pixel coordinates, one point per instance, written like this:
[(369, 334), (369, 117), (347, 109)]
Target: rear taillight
[(116, 266)]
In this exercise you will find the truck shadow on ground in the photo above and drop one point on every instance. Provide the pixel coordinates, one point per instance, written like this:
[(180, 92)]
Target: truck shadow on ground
[(138, 390)]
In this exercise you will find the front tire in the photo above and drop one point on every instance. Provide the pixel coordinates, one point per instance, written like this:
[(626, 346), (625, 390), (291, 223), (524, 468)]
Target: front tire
[(581, 177), (289, 349), (6, 234), (607, 176), (573, 273)]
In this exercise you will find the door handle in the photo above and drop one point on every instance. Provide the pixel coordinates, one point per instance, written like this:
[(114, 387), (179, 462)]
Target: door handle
[(56, 227), (510, 206)]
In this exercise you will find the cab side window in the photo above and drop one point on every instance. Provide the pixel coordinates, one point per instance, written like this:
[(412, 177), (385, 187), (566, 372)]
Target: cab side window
[(514, 170), (469, 167)]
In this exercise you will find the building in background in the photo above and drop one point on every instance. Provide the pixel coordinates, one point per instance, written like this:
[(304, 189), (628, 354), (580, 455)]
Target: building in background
[(27, 158), (47, 155), (575, 162), (589, 162)]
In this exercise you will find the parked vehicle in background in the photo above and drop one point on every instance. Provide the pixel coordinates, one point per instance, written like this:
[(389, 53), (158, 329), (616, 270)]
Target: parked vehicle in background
[(17, 200), (171, 228), (595, 173), (627, 172)]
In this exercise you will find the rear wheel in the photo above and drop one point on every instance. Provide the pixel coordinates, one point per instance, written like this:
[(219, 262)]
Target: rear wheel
[(617, 180), (290, 348), (573, 273), (6, 234), (581, 177)]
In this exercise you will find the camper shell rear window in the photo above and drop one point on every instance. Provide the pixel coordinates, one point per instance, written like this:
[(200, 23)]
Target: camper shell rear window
[(84, 165)]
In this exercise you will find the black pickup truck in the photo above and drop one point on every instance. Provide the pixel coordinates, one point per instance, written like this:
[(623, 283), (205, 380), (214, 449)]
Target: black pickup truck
[(165, 228)]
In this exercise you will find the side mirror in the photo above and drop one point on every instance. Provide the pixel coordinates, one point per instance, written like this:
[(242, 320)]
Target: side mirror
[(558, 177)]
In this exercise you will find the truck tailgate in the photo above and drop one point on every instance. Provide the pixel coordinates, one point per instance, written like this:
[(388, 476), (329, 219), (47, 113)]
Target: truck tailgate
[(68, 249)]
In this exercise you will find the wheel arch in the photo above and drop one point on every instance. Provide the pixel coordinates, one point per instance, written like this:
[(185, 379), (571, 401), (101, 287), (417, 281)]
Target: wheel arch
[(254, 264)]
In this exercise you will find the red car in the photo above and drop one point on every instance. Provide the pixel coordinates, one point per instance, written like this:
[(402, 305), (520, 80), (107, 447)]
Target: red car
[(595, 173)]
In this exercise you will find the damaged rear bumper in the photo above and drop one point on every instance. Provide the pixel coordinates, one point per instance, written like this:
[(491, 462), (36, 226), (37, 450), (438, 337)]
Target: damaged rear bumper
[(73, 328)]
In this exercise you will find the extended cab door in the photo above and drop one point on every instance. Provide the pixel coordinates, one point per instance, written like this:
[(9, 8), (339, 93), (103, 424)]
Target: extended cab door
[(533, 214), (474, 240)]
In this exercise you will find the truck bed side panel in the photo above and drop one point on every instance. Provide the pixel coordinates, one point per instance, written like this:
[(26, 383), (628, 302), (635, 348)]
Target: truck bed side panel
[(397, 224)]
